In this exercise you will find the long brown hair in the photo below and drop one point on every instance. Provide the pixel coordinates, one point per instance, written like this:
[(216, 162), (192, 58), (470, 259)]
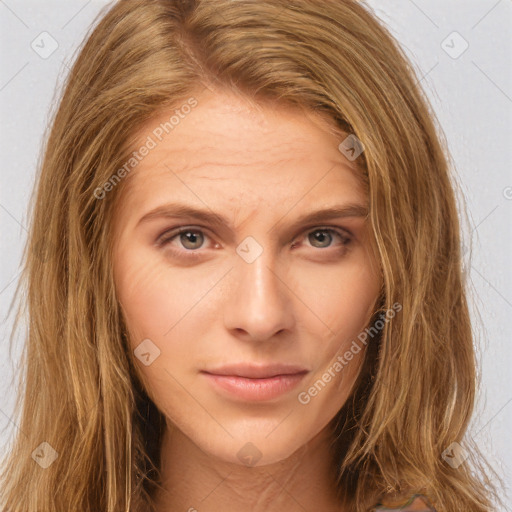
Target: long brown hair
[(78, 391)]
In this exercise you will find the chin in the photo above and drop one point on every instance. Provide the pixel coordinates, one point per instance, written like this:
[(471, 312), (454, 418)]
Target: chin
[(259, 449)]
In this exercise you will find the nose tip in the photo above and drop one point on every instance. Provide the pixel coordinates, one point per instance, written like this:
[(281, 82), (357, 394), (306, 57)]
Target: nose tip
[(259, 302)]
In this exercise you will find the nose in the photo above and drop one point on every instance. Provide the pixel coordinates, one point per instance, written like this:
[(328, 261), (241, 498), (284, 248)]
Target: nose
[(260, 302)]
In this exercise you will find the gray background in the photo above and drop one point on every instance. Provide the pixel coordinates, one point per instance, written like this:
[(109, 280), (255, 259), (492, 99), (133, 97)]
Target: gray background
[(471, 93)]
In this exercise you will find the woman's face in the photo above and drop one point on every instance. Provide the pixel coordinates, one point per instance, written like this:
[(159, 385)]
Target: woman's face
[(260, 284)]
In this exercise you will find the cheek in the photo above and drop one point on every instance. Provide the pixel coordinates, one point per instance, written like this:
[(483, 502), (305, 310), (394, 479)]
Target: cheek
[(155, 299), (345, 297), (165, 306), (155, 304), (348, 308), (149, 305), (342, 297)]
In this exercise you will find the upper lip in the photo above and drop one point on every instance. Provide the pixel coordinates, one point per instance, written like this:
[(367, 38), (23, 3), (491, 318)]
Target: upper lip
[(252, 371)]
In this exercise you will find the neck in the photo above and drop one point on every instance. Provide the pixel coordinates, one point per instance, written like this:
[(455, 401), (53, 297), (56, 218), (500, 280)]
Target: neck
[(193, 480)]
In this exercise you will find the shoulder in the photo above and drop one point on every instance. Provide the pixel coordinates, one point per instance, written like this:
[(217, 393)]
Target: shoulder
[(417, 503)]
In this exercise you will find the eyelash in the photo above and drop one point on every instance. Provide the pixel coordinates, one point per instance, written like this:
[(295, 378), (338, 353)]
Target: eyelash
[(168, 236)]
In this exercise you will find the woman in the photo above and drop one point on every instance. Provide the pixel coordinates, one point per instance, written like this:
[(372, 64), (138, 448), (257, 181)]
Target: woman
[(247, 245)]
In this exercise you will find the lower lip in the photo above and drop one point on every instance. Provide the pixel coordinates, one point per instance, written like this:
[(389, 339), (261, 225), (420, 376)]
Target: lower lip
[(256, 389)]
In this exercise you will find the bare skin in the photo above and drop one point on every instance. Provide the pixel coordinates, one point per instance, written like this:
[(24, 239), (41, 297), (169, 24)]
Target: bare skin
[(303, 299)]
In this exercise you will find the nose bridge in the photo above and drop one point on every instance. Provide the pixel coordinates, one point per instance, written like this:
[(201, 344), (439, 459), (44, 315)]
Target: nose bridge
[(260, 302)]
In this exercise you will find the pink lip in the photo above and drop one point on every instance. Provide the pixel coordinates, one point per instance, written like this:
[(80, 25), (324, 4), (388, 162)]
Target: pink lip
[(256, 389), (256, 383)]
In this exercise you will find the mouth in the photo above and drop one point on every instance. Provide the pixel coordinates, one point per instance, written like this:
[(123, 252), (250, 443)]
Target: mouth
[(255, 383)]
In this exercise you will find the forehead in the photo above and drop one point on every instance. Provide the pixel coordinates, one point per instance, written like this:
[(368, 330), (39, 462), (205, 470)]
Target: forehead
[(231, 148)]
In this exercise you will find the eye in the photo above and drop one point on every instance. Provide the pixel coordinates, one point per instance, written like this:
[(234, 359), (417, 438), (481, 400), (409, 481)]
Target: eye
[(321, 238), (189, 238)]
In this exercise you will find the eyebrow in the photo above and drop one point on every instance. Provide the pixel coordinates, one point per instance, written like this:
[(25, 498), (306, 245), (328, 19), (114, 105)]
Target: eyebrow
[(179, 210)]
